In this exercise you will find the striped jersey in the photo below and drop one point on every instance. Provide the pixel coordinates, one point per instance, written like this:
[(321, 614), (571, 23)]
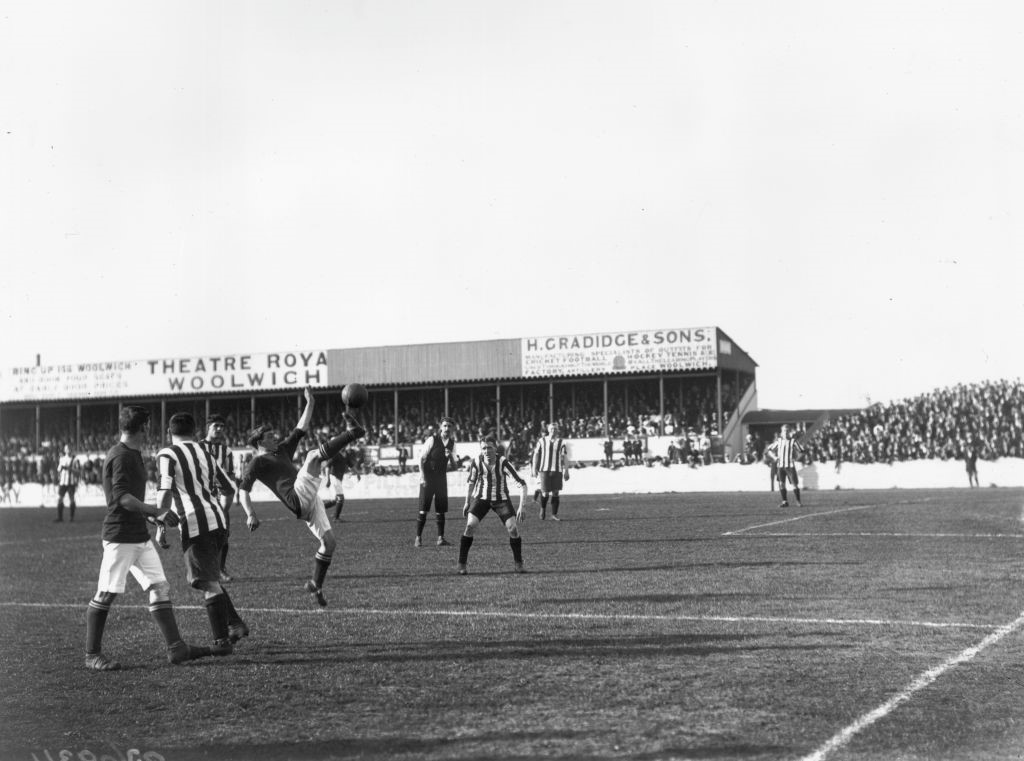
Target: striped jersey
[(221, 454), (491, 482), (192, 476), (69, 471), (785, 452), (549, 455)]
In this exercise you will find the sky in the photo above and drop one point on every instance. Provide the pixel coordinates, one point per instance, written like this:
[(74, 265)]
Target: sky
[(837, 186)]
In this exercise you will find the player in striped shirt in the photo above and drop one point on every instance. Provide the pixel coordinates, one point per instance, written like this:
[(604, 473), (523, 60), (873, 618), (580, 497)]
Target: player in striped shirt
[(550, 464), (69, 473), (488, 490), (190, 481), (785, 452), (216, 444)]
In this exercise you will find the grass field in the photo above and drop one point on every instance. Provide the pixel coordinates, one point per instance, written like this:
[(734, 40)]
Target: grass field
[(865, 625)]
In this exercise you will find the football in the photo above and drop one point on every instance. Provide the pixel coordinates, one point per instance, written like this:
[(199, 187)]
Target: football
[(354, 395)]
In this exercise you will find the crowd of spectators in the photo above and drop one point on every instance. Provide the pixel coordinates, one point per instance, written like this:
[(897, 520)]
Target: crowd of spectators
[(943, 424)]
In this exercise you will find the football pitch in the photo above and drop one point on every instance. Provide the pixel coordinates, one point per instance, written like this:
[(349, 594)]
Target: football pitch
[(863, 625)]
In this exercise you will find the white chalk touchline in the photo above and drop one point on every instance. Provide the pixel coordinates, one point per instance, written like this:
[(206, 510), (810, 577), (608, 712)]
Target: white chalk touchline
[(564, 616), (802, 517), (892, 534), (843, 736)]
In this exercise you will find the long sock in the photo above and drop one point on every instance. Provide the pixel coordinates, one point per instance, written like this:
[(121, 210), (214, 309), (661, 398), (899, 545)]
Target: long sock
[(796, 491), (554, 504), (340, 504), (163, 614), (233, 617), (217, 612), (440, 524), (464, 546), (544, 501), (224, 556), (95, 622), (60, 510), (421, 521), (782, 491), (339, 442), (517, 548), (321, 563), (71, 510)]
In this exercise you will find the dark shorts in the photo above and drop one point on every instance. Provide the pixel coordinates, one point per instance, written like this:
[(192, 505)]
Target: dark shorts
[(790, 474), (502, 509), (435, 489), (550, 481), (202, 558), (68, 489)]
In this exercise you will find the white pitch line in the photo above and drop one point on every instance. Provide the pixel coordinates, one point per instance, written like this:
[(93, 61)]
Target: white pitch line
[(892, 534), (843, 736), (563, 616), (801, 517)]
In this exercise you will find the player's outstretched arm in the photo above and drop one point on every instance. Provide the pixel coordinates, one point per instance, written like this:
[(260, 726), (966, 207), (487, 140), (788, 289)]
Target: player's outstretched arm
[(307, 413)]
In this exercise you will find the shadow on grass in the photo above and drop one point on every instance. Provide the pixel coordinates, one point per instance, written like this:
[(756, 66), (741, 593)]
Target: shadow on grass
[(480, 650), (364, 748)]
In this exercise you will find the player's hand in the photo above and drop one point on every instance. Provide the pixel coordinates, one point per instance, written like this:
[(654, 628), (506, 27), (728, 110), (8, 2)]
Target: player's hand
[(521, 513), (308, 393), (565, 475), (168, 518), (252, 522), (465, 509)]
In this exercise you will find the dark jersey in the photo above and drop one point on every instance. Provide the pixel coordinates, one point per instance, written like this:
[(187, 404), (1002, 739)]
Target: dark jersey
[(338, 465), (276, 471), (124, 473), (436, 459)]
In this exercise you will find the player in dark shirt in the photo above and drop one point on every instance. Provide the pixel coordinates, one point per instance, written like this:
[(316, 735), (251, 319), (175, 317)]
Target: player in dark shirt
[(297, 488), (335, 470), (437, 457), (127, 547)]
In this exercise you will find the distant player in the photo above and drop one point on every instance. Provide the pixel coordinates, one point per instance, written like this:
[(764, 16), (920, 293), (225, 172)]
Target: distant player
[(971, 463), (488, 489), (334, 471), (216, 444), (298, 489), (785, 451), (69, 473), (550, 464), (190, 480), (438, 455)]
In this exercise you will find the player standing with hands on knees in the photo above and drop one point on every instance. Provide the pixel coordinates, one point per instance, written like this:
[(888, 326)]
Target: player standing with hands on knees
[(488, 490), (297, 488)]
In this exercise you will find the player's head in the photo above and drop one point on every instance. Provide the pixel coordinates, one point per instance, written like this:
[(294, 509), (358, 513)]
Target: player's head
[(263, 437), (182, 425), (553, 428), (133, 419), (67, 449), (785, 431), (445, 425), (489, 447), (215, 425)]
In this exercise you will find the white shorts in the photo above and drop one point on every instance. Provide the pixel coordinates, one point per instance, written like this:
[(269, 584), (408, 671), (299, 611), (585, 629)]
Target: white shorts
[(140, 558), (313, 510)]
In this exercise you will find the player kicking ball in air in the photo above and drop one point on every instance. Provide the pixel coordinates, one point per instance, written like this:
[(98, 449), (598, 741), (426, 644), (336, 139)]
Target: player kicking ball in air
[(297, 488), (488, 490)]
